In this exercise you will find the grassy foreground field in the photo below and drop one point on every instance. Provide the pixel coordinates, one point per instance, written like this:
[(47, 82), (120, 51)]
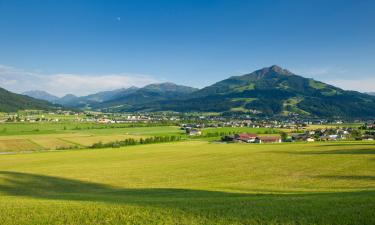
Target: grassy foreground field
[(192, 182)]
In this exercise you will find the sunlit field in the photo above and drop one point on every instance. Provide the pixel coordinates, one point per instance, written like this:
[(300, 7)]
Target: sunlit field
[(25, 137), (193, 182)]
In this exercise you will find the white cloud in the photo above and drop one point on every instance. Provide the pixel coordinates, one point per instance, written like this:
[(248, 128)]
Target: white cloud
[(362, 85), (19, 80), (340, 77), (320, 71)]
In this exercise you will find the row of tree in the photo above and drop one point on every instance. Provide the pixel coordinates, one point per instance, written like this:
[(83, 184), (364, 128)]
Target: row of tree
[(132, 141)]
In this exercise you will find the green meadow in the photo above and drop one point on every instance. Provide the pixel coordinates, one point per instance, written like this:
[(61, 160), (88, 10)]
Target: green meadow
[(192, 182), (25, 137), (7, 129)]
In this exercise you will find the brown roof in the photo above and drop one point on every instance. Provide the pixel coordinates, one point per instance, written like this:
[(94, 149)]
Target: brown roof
[(269, 138)]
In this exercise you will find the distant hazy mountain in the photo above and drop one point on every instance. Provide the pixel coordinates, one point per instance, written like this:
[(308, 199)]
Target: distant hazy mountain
[(11, 102), (90, 101), (84, 101), (108, 95), (67, 100), (147, 94), (271, 91), (43, 95)]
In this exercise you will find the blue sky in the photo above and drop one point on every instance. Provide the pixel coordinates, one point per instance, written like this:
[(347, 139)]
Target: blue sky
[(86, 46)]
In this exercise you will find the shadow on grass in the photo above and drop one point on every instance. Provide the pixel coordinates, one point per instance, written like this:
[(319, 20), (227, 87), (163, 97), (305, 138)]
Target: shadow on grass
[(345, 144), (362, 151), (343, 177), (354, 151), (312, 208)]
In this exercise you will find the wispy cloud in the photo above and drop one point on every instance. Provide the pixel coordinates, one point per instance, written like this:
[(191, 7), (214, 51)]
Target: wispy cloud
[(340, 77), (18, 80), (320, 71), (362, 85)]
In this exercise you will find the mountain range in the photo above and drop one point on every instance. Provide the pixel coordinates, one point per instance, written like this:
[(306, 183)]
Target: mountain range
[(269, 91), (11, 102), (119, 98)]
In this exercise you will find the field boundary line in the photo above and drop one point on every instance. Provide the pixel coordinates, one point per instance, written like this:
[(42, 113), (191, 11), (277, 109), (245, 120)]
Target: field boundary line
[(72, 142), (41, 146)]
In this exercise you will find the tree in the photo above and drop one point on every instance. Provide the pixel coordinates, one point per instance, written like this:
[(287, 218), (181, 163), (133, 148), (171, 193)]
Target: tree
[(356, 135), (284, 136)]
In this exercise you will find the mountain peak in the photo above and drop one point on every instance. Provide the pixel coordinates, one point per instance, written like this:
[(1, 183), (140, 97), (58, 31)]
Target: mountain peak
[(70, 96), (277, 69), (168, 86)]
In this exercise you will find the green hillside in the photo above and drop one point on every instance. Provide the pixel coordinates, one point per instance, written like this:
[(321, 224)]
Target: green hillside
[(192, 183), (143, 96), (273, 91), (11, 102)]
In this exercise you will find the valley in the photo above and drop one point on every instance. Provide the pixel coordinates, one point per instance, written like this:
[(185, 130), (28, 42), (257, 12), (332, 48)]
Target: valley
[(267, 92)]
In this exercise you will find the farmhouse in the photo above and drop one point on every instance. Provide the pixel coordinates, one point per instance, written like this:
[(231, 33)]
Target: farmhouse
[(248, 138), (194, 132), (103, 120)]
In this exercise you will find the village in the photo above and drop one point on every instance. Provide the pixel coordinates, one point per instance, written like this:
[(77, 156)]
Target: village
[(365, 132)]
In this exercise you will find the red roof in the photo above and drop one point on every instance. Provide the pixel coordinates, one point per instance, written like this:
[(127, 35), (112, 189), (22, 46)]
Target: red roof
[(246, 136)]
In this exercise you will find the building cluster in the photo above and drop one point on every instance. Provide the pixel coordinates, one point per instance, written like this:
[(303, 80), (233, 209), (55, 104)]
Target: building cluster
[(332, 134), (251, 138), (192, 129), (264, 123), (127, 119), (370, 126), (27, 118)]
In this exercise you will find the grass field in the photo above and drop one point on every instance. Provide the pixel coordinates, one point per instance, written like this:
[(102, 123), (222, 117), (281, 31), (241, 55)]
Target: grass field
[(7, 129), (34, 137), (193, 182), (16, 137)]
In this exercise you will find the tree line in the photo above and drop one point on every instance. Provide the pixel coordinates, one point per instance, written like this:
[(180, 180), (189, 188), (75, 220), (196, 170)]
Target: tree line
[(133, 141)]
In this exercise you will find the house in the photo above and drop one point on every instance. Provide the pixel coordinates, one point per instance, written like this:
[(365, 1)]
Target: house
[(310, 139), (299, 137), (333, 136), (269, 139), (368, 138), (328, 138), (248, 138), (194, 132), (104, 120)]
